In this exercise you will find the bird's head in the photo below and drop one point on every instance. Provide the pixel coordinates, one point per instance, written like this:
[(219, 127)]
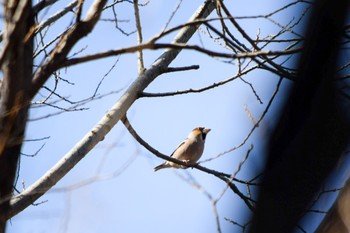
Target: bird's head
[(200, 132)]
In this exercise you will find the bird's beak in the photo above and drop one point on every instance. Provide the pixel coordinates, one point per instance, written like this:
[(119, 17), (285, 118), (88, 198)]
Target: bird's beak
[(206, 130)]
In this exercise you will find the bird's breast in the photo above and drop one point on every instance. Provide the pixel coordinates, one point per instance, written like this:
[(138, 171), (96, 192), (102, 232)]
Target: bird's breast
[(191, 152)]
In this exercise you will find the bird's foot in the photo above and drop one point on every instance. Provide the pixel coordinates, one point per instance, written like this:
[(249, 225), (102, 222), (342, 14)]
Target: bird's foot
[(189, 163), (186, 161)]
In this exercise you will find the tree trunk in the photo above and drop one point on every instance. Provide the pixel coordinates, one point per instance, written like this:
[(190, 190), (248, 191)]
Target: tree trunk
[(16, 65)]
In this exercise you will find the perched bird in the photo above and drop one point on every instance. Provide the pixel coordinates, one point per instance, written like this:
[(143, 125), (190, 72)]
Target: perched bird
[(190, 150)]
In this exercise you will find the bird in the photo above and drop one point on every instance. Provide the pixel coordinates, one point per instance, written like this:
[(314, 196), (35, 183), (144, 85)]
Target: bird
[(189, 151)]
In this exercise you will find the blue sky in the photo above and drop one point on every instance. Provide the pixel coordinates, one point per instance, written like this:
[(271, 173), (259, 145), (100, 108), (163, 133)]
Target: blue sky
[(114, 188)]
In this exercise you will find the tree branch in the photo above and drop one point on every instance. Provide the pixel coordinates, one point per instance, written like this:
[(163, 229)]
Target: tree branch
[(64, 46), (56, 16), (141, 66), (222, 176), (149, 45), (199, 90), (101, 129)]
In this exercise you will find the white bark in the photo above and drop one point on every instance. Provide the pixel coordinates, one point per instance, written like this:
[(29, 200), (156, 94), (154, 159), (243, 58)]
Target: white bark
[(108, 121)]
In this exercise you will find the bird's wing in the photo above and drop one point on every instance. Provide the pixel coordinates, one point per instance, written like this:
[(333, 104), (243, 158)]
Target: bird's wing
[(178, 147)]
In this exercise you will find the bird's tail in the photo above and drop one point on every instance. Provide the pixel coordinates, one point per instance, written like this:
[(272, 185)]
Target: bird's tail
[(163, 165)]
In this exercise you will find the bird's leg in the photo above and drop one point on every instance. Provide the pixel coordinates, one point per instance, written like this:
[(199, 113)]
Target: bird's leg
[(187, 161)]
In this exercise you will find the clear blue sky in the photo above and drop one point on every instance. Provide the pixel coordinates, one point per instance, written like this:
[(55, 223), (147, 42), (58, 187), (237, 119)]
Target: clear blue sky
[(114, 189)]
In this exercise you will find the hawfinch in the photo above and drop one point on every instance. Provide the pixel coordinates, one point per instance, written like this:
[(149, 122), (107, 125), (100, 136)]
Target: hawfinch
[(189, 151)]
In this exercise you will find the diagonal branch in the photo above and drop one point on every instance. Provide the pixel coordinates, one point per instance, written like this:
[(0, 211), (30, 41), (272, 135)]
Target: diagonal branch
[(64, 46), (222, 176), (56, 16), (108, 121)]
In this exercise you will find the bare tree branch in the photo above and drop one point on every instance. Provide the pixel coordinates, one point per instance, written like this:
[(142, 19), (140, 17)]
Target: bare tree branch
[(199, 90), (255, 125), (141, 66), (64, 46), (155, 46), (222, 176), (56, 16), (101, 129), (183, 68)]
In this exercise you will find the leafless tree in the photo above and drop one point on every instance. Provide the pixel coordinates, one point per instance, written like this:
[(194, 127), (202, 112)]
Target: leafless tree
[(33, 57)]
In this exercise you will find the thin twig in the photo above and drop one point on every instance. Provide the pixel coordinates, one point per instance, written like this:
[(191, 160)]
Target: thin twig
[(191, 181), (172, 15), (234, 174), (141, 66), (154, 46), (219, 175), (56, 16), (183, 68), (254, 127)]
